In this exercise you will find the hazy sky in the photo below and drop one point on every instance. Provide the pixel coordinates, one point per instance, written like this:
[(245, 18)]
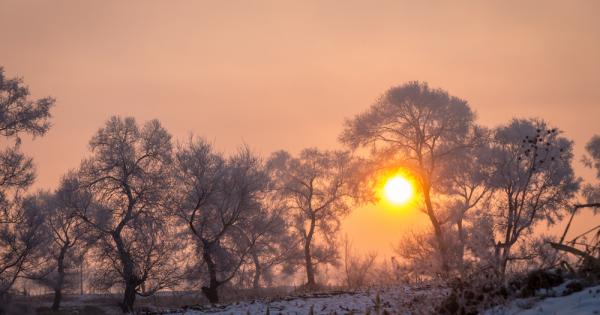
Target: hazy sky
[(285, 74)]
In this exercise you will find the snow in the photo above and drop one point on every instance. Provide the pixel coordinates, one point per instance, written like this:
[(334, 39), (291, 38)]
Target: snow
[(579, 303), (405, 300), (395, 300)]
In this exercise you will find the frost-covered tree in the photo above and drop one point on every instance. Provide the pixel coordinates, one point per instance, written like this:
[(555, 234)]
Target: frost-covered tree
[(219, 200), (275, 249), (420, 129), (19, 115), (533, 181), (464, 181), (65, 237), (592, 159), (317, 190), (128, 177)]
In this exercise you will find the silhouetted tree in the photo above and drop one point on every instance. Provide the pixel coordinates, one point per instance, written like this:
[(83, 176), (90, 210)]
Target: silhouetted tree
[(18, 227), (219, 199), (128, 175), (65, 237)]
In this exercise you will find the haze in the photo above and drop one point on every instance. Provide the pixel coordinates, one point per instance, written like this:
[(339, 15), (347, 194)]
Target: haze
[(283, 75)]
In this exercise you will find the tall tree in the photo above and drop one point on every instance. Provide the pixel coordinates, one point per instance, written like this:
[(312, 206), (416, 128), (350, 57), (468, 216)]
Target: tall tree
[(19, 115), (317, 190), (128, 177), (533, 180), (420, 129)]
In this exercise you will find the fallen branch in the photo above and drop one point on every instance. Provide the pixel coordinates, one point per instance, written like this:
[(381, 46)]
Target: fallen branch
[(575, 251)]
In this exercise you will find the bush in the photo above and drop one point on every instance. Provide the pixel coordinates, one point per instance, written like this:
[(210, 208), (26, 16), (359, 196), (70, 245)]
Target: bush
[(540, 279), (474, 294)]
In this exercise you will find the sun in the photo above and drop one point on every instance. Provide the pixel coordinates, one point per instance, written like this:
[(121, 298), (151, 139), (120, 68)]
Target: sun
[(398, 190)]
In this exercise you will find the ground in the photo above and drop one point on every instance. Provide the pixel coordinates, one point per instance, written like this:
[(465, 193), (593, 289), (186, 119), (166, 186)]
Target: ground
[(416, 299)]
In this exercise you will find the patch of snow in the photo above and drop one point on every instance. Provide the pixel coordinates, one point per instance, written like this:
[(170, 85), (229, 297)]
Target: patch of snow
[(586, 302)]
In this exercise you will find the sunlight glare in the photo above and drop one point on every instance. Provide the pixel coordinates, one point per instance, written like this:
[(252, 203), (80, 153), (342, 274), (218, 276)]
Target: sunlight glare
[(398, 190)]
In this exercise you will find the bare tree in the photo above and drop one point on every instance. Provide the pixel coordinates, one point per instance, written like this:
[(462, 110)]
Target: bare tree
[(317, 190), (18, 115), (128, 178), (533, 181), (218, 198), (420, 128)]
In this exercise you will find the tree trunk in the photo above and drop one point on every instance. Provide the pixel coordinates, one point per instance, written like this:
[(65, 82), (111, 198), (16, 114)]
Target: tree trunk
[(257, 271), (504, 259), (210, 291), (129, 277), (129, 296), (56, 300), (61, 278), (461, 248), (310, 273), (439, 236)]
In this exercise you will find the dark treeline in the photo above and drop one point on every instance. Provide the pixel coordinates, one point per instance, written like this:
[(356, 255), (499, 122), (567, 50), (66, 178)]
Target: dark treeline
[(153, 213)]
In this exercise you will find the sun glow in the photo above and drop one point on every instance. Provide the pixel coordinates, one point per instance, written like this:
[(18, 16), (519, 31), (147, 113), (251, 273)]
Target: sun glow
[(398, 190)]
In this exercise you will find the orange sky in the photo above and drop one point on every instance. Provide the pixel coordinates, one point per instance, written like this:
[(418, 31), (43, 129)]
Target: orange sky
[(284, 75)]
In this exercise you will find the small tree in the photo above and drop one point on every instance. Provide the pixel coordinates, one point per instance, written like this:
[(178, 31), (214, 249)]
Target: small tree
[(65, 236), (128, 178), (357, 269), (420, 129), (533, 181), (317, 190)]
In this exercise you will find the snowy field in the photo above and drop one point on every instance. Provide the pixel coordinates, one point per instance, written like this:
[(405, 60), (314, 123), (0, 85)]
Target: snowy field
[(402, 300), (406, 301)]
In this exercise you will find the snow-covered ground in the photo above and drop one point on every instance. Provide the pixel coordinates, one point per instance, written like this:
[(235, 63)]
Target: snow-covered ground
[(584, 302), (399, 300), (406, 300)]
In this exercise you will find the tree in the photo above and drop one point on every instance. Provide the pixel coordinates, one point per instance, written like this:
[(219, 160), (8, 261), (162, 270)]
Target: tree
[(18, 227), (218, 199), (317, 190), (420, 128), (589, 251), (127, 176), (274, 247), (533, 181), (465, 181), (64, 236), (592, 159)]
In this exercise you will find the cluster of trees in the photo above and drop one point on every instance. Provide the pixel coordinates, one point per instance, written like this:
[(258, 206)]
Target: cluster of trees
[(152, 213), (483, 190)]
